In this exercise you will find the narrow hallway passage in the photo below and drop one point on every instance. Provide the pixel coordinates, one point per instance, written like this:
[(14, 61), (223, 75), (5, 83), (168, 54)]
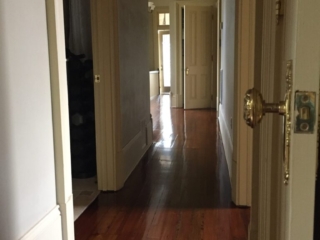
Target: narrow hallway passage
[(180, 189)]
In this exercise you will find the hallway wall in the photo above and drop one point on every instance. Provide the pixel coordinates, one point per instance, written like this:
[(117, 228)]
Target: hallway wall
[(134, 70), (227, 78), (136, 124), (27, 171)]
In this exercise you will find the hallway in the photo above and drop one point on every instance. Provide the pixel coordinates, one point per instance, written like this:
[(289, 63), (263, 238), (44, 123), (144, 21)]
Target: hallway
[(180, 189)]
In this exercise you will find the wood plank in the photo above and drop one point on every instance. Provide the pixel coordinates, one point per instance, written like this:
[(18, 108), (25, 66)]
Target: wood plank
[(181, 191)]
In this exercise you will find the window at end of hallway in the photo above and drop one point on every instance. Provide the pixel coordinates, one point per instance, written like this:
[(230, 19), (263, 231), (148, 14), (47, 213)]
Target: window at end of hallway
[(164, 19)]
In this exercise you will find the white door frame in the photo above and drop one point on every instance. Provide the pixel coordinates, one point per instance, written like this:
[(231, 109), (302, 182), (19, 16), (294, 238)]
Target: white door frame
[(106, 165), (60, 111), (219, 26), (160, 50), (177, 88)]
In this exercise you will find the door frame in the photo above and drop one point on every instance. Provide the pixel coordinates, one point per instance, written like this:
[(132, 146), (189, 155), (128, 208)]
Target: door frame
[(106, 165), (156, 28), (177, 85), (60, 114), (219, 25), (160, 48)]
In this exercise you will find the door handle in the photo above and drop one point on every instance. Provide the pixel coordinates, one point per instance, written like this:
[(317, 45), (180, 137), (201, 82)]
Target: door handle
[(255, 108), (187, 71)]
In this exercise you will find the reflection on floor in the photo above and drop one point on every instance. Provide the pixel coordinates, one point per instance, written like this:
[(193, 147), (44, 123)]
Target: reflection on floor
[(85, 192), (180, 189)]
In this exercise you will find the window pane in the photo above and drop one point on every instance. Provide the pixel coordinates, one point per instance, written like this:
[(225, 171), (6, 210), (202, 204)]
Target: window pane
[(167, 16), (164, 19)]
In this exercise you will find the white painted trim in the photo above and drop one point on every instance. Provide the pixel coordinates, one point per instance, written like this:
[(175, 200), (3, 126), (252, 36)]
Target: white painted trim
[(60, 112), (218, 54), (227, 141), (48, 228), (156, 28)]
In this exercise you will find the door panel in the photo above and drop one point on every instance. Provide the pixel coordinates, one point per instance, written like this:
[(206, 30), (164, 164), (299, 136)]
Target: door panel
[(106, 91), (198, 54)]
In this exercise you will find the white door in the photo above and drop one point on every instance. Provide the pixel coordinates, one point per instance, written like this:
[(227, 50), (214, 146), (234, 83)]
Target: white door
[(198, 57), (286, 211), (105, 57)]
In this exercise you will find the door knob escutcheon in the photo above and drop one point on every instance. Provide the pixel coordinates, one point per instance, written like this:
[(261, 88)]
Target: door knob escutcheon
[(255, 108)]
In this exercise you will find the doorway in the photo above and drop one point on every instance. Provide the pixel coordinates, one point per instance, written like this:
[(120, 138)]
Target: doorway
[(81, 103), (165, 62)]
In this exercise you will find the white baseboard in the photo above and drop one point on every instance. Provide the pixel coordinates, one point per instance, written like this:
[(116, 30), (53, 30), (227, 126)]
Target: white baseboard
[(226, 140), (67, 218), (49, 228), (132, 153), (234, 180)]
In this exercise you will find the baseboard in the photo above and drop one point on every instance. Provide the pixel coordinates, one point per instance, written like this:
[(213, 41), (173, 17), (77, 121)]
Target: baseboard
[(67, 218), (48, 228), (234, 187), (226, 140), (132, 153)]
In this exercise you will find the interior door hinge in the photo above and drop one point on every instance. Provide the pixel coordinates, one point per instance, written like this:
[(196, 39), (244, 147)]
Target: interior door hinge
[(221, 25)]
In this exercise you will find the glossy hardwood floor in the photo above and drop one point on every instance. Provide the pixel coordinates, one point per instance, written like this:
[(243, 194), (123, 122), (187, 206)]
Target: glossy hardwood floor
[(180, 189)]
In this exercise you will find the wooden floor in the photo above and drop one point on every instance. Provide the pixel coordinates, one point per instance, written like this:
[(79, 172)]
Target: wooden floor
[(180, 189)]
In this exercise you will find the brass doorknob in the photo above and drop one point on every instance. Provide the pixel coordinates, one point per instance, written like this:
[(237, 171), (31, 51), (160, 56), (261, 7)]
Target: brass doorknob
[(187, 71), (255, 107)]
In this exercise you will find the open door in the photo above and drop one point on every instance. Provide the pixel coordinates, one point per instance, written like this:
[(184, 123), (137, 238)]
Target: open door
[(284, 166), (106, 92), (198, 57)]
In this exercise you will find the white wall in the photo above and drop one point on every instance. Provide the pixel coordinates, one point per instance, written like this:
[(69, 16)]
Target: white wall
[(227, 84), (27, 180)]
